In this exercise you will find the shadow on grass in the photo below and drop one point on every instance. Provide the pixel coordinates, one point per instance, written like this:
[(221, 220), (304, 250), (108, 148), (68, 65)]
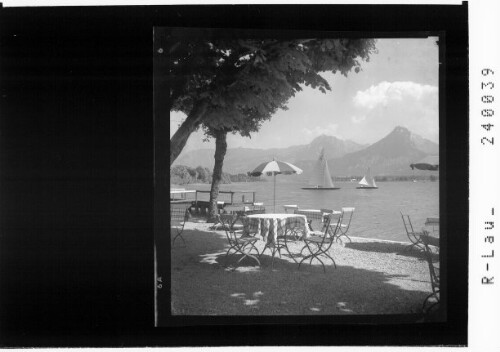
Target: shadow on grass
[(389, 247), (202, 284)]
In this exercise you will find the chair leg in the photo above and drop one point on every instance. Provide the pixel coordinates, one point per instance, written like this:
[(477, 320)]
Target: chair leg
[(272, 260), (291, 255), (276, 248), (249, 256), (329, 256), (256, 250), (429, 309), (249, 252), (308, 248), (227, 253), (306, 245), (302, 250), (303, 259), (433, 294), (338, 238), (242, 257), (414, 244), (265, 247), (323, 264), (313, 255), (225, 257), (245, 254), (180, 236), (173, 241), (256, 259)]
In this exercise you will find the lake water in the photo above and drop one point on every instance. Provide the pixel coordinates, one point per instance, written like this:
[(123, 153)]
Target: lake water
[(377, 213)]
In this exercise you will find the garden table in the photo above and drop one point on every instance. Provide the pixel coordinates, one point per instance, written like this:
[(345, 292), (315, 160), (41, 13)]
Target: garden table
[(270, 226)]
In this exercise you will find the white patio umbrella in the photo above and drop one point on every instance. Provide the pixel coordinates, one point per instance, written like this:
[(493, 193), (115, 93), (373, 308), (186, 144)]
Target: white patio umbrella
[(273, 168)]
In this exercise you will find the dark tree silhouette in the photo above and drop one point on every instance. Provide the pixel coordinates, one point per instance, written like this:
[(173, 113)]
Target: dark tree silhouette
[(234, 85), (220, 82)]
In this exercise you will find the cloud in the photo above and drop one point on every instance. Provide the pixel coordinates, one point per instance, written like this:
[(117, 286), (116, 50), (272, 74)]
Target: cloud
[(386, 92), (329, 130), (378, 109), (358, 119)]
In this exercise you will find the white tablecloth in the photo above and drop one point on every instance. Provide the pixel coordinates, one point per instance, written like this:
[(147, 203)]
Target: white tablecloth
[(270, 226)]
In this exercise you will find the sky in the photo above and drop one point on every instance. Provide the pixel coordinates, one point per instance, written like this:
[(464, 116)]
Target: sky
[(397, 87)]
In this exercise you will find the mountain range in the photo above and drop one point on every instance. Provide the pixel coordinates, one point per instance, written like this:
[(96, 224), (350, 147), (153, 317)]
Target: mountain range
[(391, 155)]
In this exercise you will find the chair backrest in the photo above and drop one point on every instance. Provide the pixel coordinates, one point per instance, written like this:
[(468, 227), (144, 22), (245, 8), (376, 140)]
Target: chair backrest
[(347, 213), (324, 220), (433, 268), (314, 219), (407, 223), (178, 214), (227, 221), (255, 211), (240, 217), (330, 229), (333, 222), (258, 208), (290, 207)]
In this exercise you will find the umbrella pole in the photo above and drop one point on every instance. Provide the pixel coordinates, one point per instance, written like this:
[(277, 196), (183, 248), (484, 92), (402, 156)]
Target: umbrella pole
[(274, 193)]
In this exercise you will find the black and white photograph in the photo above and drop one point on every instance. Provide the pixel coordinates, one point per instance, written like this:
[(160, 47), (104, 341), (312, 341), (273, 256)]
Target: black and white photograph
[(221, 175), (304, 173)]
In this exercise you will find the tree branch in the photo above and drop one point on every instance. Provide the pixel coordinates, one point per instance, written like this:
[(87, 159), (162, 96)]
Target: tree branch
[(180, 137)]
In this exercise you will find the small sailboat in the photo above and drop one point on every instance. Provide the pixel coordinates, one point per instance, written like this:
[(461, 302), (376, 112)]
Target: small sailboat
[(321, 179), (368, 182)]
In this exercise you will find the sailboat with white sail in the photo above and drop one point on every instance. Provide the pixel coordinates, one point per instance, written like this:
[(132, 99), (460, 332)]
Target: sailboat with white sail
[(368, 182), (321, 179)]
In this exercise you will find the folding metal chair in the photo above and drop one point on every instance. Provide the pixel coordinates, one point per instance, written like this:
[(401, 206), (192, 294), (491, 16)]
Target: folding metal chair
[(345, 223), (319, 243), (325, 212), (314, 218), (241, 245), (178, 218), (413, 236), (434, 276)]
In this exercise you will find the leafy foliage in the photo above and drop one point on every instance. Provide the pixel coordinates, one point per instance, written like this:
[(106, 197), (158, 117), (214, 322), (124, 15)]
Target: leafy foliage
[(245, 81), (181, 175)]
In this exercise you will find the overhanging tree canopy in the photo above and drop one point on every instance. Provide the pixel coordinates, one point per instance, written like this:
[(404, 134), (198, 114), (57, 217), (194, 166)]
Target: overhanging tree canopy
[(221, 82)]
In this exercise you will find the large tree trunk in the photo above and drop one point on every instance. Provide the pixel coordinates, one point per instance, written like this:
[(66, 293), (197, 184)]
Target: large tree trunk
[(180, 137), (220, 153)]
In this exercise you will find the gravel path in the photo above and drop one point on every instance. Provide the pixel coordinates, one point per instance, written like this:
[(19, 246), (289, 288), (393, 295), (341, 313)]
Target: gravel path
[(372, 277)]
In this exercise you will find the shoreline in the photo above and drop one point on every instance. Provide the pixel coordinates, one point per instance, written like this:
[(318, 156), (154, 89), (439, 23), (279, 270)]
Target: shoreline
[(356, 238)]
